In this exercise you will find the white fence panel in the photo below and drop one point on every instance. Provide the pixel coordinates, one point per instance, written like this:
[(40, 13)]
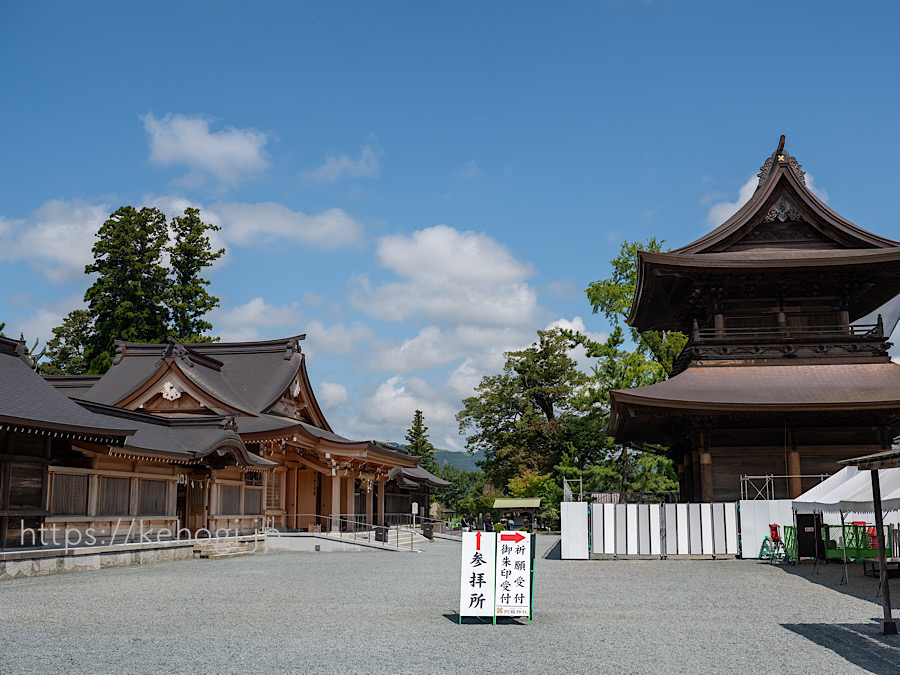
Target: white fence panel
[(694, 529), (655, 532), (681, 511), (756, 516), (574, 536), (644, 529), (631, 528), (706, 528), (609, 529), (621, 548), (597, 528), (732, 545), (718, 513), (671, 530)]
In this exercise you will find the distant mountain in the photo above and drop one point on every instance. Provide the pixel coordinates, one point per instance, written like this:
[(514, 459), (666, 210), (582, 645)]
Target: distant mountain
[(461, 460)]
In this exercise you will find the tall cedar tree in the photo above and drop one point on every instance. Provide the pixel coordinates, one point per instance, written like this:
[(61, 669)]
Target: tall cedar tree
[(128, 298), (418, 444), (188, 300)]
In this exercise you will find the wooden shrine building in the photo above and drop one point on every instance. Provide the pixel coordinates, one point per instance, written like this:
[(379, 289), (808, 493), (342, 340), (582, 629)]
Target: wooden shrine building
[(181, 438), (779, 376)]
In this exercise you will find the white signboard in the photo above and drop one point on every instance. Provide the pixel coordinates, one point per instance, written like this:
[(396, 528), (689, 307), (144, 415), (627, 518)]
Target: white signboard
[(513, 594), (476, 594)]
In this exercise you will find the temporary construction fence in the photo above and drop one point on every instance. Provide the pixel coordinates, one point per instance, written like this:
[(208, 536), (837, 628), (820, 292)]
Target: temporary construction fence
[(718, 529)]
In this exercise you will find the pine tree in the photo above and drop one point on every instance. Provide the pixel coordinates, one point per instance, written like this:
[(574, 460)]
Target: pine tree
[(65, 351), (127, 300), (188, 300), (418, 444)]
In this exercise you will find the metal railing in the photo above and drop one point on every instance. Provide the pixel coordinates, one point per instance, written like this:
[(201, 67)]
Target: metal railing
[(348, 529)]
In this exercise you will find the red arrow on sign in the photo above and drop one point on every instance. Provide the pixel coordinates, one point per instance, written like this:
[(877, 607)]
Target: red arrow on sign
[(516, 537), (478, 541)]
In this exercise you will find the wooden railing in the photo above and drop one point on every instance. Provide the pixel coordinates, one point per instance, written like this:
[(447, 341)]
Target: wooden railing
[(764, 334)]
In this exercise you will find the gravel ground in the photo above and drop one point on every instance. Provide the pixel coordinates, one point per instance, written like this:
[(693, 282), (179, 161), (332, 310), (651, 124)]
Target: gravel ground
[(396, 613)]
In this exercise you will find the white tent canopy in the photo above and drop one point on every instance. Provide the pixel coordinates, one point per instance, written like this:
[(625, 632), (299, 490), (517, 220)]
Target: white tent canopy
[(850, 490)]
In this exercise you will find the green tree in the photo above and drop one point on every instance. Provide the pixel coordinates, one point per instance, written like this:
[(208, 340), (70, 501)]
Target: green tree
[(418, 444), (65, 351), (521, 417), (127, 300), (190, 253), (613, 297), (2, 326)]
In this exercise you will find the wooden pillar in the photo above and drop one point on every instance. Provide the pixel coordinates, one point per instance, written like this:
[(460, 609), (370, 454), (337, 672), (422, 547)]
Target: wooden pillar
[(369, 512), (681, 484), (696, 493), (795, 483), (335, 503), (381, 485), (706, 477), (350, 498), (212, 502), (290, 504), (688, 476)]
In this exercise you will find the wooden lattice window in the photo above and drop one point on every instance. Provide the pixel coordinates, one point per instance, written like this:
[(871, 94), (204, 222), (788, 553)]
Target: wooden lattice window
[(253, 501), (70, 495), (26, 486), (152, 499), (229, 499), (816, 320), (273, 492), (115, 496)]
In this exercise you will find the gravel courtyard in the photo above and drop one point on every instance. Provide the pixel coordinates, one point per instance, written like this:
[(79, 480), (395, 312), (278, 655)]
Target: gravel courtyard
[(396, 613)]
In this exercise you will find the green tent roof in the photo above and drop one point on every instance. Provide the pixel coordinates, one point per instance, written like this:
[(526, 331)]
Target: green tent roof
[(525, 503)]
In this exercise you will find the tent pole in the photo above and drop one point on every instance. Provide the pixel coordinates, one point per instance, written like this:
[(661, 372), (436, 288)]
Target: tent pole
[(845, 579), (818, 533), (888, 625)]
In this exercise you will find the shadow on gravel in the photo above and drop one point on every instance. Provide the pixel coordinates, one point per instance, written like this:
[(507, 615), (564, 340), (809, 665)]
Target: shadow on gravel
[(860, 643), (554, 552), (860, 586), (466, 620), (501, 620)]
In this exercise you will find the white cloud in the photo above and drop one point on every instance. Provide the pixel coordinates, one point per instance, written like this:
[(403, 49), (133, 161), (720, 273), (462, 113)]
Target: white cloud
[(229, 154), (396, 400), (45, 318), (433, 347), (450, 276), (722, 211), (579, 353), (337, 339), (247, 224), (815, 189), (470, 170), (331, 395), (57, 239), (243, 323), (367, 165)]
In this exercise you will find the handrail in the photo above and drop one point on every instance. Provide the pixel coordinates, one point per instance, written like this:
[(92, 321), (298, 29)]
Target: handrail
[(851, 331), (349, 528)]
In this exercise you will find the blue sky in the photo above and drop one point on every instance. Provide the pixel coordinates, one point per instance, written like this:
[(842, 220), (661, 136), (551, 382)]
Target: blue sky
[(419, 187)]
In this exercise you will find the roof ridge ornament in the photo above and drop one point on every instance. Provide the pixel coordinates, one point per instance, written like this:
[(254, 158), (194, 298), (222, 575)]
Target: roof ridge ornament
[(781, 157)]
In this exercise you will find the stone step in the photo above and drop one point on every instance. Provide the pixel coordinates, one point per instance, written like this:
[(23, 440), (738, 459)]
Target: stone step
[(207, 551), (233, 554)]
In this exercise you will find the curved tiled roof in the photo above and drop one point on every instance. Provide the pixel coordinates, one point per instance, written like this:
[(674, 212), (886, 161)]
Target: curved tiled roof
[(27, 400)]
